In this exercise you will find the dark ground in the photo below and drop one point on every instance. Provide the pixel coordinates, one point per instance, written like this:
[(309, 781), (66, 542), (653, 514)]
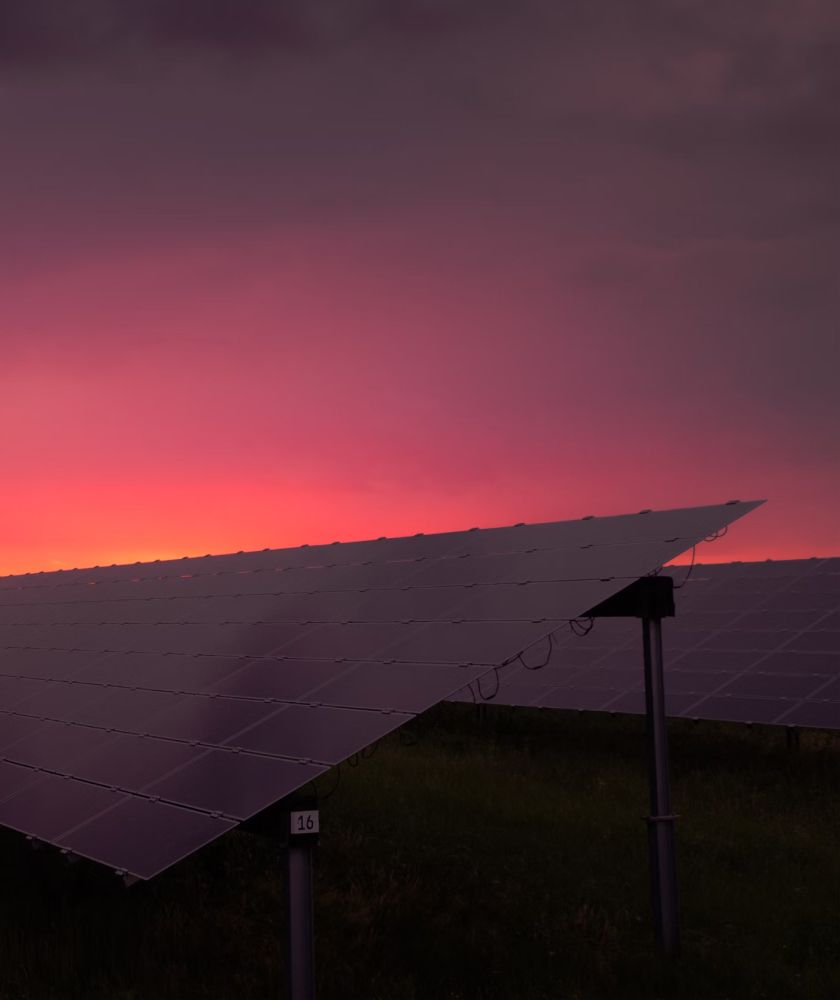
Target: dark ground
[(502, 860)]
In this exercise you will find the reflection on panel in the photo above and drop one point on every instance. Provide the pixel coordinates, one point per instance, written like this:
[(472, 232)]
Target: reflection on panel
[(323, 734), (144, 836), (14, 777), (53, 805), (237, 784), (390, 685), (54, 742), (209, 720)]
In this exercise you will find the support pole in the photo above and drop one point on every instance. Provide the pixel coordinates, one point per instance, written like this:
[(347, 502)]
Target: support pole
[(792, 738), (661, 841), (302, 836)]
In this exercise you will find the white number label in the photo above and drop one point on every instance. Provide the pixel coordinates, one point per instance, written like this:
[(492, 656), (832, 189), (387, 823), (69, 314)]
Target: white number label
[(305, 822)]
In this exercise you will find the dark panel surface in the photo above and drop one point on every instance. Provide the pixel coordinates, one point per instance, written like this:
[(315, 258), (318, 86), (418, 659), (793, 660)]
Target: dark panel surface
[(167, 701), (14, 777), (53, 805), (237, 784), (132, 762), (321, 734), (143, 836)]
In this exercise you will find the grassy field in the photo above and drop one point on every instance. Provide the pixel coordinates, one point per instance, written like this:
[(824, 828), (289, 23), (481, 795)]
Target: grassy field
[(500, 860)]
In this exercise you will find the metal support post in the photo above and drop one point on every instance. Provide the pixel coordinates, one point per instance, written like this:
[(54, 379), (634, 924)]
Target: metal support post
[(792, 738), (303, 831), (661, 841)]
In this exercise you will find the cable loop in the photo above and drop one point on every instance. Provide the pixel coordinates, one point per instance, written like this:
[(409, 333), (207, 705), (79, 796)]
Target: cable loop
[(679, 586), (539, 666), (709, 538), (336, 783), (717, 534), (488, 697), (582, 626)]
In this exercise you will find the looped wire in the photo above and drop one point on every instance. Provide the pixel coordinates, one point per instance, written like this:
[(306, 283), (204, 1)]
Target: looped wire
[(336, 783), (538, 666), (488, 697), (717, 534), (352, 761), (679, 586), (582, 626), (709, 538)]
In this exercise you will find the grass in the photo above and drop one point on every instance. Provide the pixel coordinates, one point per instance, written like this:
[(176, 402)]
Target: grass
[(501, 860)]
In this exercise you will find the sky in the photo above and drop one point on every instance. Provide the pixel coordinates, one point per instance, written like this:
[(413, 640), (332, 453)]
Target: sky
[(285, 272)]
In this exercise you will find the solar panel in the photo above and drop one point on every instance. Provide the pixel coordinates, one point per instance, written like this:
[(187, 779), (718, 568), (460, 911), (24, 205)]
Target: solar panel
[(142, 836), (147, 709), (751, 642)]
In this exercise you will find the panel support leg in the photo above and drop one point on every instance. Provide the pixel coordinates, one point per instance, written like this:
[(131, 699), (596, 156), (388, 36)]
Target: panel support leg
[(301, 919), (661, 841), (792, 738)]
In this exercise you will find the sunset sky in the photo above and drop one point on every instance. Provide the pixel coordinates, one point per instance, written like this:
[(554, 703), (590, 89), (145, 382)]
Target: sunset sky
[(285, 272)]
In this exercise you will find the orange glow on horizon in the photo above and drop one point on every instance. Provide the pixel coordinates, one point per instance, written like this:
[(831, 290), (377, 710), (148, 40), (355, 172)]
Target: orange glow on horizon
[(126, 526)]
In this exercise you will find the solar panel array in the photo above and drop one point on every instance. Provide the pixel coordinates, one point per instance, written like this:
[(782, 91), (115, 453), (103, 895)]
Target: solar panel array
[(147, 709), (751, 642)]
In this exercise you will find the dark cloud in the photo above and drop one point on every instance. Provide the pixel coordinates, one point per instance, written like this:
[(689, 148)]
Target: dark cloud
[(225, 24), (46, 32), (676, 158), (42, 32)]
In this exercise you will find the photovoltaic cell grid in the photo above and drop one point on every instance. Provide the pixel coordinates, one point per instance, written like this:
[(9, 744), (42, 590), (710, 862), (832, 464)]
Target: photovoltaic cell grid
[(147, 709), (751, 642)]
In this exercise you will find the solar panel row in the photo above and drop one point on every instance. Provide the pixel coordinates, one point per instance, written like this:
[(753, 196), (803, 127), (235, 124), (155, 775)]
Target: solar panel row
[(752, 642), (144, 710), (637, 529)]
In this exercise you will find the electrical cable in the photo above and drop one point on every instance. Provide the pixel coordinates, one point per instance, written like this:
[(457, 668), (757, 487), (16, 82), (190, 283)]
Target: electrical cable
[(488, 697), (717, 534), (679, 586), (709, 538), (336, 783), (582, 626), (539, 666)]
